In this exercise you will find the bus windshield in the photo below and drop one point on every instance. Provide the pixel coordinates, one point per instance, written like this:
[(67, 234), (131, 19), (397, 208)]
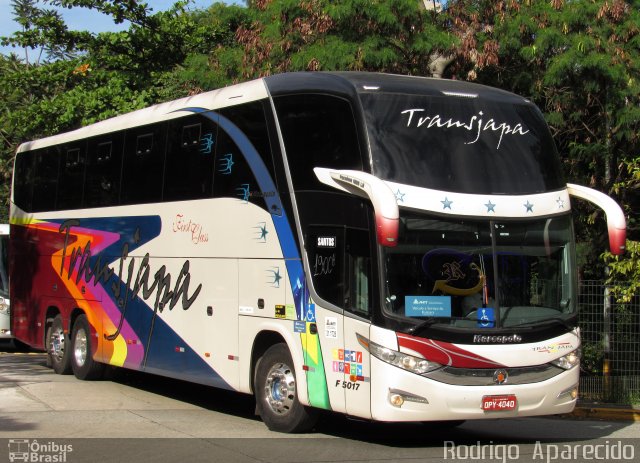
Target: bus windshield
[(467, 145), (480, 273)]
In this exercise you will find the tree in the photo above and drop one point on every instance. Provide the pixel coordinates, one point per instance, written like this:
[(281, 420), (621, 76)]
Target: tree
[(82, 77), (388, 36)]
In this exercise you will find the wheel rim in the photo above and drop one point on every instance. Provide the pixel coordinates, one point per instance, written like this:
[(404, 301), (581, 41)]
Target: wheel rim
[(80, 347), (57, 343), (280, 388)]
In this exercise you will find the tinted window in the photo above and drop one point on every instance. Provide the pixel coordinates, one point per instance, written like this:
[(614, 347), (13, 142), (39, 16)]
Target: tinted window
[(190, 159), (144, 151), (233, 175), (23, 176), (318, 131), (250, 119), (45, 182), (104, 167), (358, 272), (468, 145), (340, 264), (326, 261), (72, 171)]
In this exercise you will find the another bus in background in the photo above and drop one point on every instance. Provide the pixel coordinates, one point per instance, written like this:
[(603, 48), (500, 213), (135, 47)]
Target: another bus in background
[(5, 321)]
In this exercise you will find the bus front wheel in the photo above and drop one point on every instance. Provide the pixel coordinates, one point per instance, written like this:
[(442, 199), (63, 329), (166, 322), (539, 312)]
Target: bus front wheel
[(276, 396), (82, 363), (58, 347)]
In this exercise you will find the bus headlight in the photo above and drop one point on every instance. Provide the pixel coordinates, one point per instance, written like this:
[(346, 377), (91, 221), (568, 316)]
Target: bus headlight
[(568, 361), (407, 362), (4, 306)]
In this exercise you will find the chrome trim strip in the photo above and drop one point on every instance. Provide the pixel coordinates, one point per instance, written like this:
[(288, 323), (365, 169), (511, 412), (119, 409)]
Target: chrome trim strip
[(484, 376)]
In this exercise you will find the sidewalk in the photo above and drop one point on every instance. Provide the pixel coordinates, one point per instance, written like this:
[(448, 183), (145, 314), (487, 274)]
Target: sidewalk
[(600, 411)]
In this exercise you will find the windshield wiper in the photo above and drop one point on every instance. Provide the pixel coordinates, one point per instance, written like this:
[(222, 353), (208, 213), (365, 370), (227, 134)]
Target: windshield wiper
[(424, 324)]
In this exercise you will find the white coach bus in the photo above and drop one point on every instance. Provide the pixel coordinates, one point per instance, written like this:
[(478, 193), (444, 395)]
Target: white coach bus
[(387, 247)]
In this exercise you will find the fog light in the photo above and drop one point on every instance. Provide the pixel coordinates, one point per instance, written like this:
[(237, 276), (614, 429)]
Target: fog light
[(571, 392), (396, 400)]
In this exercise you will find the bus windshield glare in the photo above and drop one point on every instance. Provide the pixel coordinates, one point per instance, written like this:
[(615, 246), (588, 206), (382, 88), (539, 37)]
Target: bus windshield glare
[(480, 273)]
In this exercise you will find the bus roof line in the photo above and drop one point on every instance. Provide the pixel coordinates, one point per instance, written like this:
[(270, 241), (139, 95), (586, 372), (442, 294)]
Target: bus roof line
[(212, 100)]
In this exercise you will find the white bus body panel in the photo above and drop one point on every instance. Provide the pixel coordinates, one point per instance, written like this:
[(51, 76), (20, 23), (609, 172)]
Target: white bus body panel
[(462, 402)]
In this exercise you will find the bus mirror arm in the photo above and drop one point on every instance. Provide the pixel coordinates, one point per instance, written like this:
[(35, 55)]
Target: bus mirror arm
[(382, 198), (616, 222)]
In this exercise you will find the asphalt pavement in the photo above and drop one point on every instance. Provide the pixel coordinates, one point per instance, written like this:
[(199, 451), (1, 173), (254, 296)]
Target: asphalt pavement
[(141, 417)]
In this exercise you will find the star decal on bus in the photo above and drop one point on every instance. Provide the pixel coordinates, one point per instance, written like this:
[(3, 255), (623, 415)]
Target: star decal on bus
[(206, 144), (490, 207), (400, 196), (560, 202), (226, 164), (262, 232), (529, 206), (275, 277), (446, 204), (243, 192)]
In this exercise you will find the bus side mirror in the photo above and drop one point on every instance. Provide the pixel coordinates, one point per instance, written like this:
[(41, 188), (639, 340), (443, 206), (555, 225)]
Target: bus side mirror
[(384, 201), (616, 222)]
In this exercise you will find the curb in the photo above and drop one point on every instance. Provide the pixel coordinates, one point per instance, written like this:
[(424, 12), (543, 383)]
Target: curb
[(599, 413)]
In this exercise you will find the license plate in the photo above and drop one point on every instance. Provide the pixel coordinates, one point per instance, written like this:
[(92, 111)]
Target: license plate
[(498, 403)]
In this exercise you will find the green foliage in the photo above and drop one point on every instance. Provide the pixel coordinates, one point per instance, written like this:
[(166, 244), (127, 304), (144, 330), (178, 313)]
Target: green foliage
[(624, 273), (592, 357), (397, 36)]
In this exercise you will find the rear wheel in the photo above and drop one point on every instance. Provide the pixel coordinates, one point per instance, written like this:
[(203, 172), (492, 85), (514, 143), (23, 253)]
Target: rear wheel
[(47, 342), (82, 363), (276, 395), (58, 351)]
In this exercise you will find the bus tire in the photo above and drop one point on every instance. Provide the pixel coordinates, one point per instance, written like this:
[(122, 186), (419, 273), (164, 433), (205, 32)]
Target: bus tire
[(59, 351), (276, 395), (82, 363), (47, 342)]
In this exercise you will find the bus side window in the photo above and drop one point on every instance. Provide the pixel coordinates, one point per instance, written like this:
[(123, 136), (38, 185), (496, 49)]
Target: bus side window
[(72, 171), (325, 247), (358, 272), (234, 177), (340, 266), (144, 152), (23, 178), (102, 186), (251, 120), (190, 155), (45, 182)]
